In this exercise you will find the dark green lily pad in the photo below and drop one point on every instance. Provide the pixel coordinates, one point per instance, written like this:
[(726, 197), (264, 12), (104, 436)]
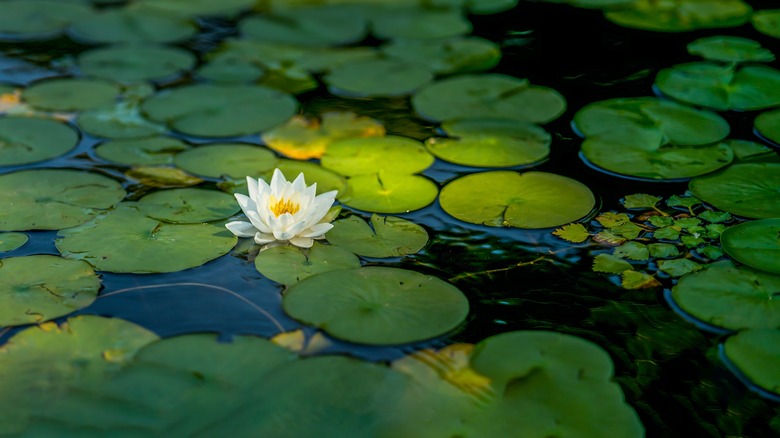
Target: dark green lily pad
[(12, 241), (722, 87), (28, 140), (49, 199), (70, 94), (233, 159), (678, 267), (150, 151), (522, 200), (132, 25), (751, 152), (681, 15), (377, 305), (767, 21), (486, 7), (322, 26), (768, 125), (38, 288), (491, 143), (135, 63), (748, 190), (377, 78), (288, 265), (123, 120), (34, 19), (361, 156), (188, 206), (730, 49), (734, 298), (420, 23), (125, 240), (221, 110), (754, 243), (193, 8), (389, 192), (387, 236), (448, 55), (488, 96), (756, 354)]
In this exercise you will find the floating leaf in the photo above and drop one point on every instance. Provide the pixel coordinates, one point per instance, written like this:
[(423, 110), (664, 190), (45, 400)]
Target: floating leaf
[(387, 192), (12, 241), (575, 233), (632, 251), (610, 264), (142, 152), (38, 19), (420, 23), (447, 55), (768, 125), (661, 221), (692, 241), (510, 199), (377, 305), (663, 250), (363, 156), (715, 230), (667, 233), (678, 267), (748, 190), (750, 151), (711, 252), (135, 63), (188, 206), (316, 26), (611, 219), (377, 78), (767, 21), (132, 25), (608, 238), (756, 354), (288, 265), (628, 230), (755, 243), (236, 160), (640, 200), (681, 15), (682, 201), (730, 49), (162, 177), (387, 236), (687, 222), (26, 140), (70, 94), (638, 280), (193, 8), (123, 120), (715, 217)]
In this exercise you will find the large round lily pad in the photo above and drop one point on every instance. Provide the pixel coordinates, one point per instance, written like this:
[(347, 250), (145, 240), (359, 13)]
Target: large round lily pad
[(135, 63), (49, 199), (31, 19), (681, 15), (132, 25), (12, 241), (288, 264), (730, 297), (389, 192), (27, 140), (767, 21), (488, 96), (377, 305), (448, 55), (522, 200), (322, 26), (221, 110), (126, 240), (360, 156), (70, 94), (768, 125), (37, 288), (143, 151), (233, 159), (756, 354), (386, 236), (188, 206), (122, 120), (378, 77), (749, 190), (754, 243), (730, 49)]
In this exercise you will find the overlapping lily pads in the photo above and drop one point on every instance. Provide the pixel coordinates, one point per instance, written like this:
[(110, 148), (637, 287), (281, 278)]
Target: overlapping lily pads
[(768, 125), (288, 264), (756, 354), (12, 241), (143, 151), (188, 206), (38, 19), (748, 189), (70, 94), (447, 55), (730, 49), (522, 200), (132, 25), (377, 77), (233, 159), (754, 243), (135, 63), (681, 15), (386, 236), (27, 140)]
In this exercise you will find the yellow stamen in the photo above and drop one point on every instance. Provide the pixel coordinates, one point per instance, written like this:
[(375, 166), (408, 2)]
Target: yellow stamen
[(281, 206)]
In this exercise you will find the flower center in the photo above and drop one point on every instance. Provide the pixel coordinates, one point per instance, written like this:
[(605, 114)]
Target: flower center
[(281, 206)]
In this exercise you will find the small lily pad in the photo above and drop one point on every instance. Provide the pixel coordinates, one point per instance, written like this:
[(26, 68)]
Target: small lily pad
[(731, 297), (389, 192), (377, 78), (377, 305), (52, 199), (288, 265), (663, 250), (510, 199), (678, 267), (322, 26), (754, 243), (447, 55), (132, 25), (369, 155), (387, 236), (38, 288), (575, 233), (70, 94), (756, 354), (640, 200), (37, 19), (126, 240), (634, 280), (768, 125), (123, 120), (12, 241), (162, 177), (681, 15), (767, 21), (667, 233), (610, 264), (233, 159), (26, 140), (748, 190), (730, 49), (135, 63), (188, 206), (420, 23), (150, 151), (632, 251)]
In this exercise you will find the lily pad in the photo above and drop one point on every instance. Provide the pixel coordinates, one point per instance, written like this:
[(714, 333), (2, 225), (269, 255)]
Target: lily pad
[(377, 305), (748, 190), (768, 125), (387, 236), (26, 140), (756, 354), (193, 8), (522, 200), (448, 55), (681, 15), (162, 177), (734, 298), (491, 143), (125, 240), (610, 264), (730, 49), (361, 156), (288, 265), (377, 78), (233, 159), (749, 151), (389, 192), (70, 94), (38, 19), (49, 199), (150, 151), (12, 241), (488, 96), (132, 25), (754, 243), (123, 120), (135, 63), (420, 23), (221, 110), (322, 26), (188, 206), (38, 288), (767, 21)]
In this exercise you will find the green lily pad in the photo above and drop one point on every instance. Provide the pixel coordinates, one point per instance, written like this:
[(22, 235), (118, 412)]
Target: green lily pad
[(389, 192), (221, 110), (632, 251), (768, 125), (125, 240), (150, 151), (38, 288), (755, 243), (491, 143), (26, 19), (748, 190), (162, 177), (361, 156), (132, 25), (663, 250), (767, 21), (12, 241), (233, 159), (522, 200), (419, 23), (678, 267), (377, 305), (49, 199), (488, 96), (188, 206), (123, 120), (387, 236), (288, 265), (377, 78), (734, 298), (26, 140), (193, 8), (486, 7), (135, 63), (447, 55), (610, 264), (70, 94), (681, 15), (730, 49), (722, 87), (322, 26), (756, 354), (574, 233)]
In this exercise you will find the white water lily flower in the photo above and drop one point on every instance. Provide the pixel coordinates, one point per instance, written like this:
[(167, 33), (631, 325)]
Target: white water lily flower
[(283, 212)]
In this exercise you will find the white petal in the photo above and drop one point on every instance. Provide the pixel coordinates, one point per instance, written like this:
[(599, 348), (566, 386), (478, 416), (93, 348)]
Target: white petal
[(245, 203), (241, 229), (296, 228), (257, 222), (278, 182), (302, 242), (261, 238), (322, 204), (299, 185), (251, 185), (316, 230), (283, 235)]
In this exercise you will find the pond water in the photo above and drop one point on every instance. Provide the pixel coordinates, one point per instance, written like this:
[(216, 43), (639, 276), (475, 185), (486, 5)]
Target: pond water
[(598, 338)]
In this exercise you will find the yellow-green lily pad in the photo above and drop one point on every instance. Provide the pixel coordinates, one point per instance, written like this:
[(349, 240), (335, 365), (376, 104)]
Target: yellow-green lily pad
[(288, 264), (236, 160), (749, 189), (26, 140), (361, 156), (386, 236), (389, 192), (188, 205), (12, 241), (754, 243)]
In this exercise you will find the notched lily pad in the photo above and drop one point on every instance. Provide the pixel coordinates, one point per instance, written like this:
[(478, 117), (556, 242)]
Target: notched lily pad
[(730, 49), (386, 236), (12, 241), (123, 120), (448, 55), (236, 160), (288, 264), (754, 243), (26, 140), (377, 78), (749, 190), (162, 177), (152, 151), (389, 192), (70, 94), (188, 206), (315, 26), (362, 156), (756, 354)]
